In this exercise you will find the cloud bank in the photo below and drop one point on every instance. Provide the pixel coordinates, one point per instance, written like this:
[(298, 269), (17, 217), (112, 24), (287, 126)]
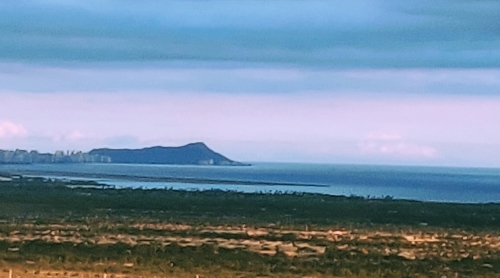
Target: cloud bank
[(395, 146), (318, 33), (10, 130), (248, 80)]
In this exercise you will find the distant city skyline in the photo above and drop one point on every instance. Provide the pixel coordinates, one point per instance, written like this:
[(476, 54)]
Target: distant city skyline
[(385, 82)]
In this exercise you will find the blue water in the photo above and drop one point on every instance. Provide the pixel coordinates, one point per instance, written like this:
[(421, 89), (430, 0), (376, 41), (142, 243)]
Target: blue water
[(464, 185)]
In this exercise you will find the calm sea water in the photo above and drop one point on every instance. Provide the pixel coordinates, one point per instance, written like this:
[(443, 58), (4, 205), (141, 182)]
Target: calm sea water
[(465, 185)]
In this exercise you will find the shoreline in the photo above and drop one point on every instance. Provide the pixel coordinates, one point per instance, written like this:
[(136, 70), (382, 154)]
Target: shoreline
[(200, 184), (70, 175)]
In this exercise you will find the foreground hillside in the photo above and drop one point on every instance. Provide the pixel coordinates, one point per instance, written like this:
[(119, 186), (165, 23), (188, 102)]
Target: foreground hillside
[(46, 226)]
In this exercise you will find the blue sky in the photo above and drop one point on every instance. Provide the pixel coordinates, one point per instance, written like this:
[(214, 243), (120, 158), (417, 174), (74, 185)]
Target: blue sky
[(385, 82)]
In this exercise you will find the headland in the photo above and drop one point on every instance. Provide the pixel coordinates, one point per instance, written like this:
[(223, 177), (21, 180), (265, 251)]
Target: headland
[(190, 154)]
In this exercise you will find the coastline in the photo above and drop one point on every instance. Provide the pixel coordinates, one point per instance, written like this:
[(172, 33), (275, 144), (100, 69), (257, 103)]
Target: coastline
[(409, 183), (70, 175)]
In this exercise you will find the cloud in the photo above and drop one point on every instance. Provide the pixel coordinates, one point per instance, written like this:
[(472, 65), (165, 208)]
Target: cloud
[(384, 136), (399, 149), (394, 145), (167, 79), (10, 129), (75, 136), (327, 33)]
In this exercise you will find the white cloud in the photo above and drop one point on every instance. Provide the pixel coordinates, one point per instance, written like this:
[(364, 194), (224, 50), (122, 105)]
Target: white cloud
[(10, 129), (384, 136), (75, 136), (394, 145)]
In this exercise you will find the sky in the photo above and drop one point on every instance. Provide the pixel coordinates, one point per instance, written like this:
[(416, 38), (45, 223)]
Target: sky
[(362, 82)]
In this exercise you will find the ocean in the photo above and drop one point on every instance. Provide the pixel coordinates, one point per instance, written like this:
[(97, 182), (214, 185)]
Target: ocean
[(439, 184)]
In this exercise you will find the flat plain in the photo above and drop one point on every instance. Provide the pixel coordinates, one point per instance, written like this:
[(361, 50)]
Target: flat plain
[(53, 228)]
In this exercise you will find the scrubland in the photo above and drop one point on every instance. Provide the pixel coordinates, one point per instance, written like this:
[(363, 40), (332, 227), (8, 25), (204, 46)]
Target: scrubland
[(51, 228)]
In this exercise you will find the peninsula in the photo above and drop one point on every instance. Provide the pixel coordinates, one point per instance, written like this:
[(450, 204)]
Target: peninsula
[(190, 154)]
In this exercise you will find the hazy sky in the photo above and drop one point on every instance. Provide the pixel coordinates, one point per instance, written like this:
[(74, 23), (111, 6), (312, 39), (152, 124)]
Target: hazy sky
[(386, 82)]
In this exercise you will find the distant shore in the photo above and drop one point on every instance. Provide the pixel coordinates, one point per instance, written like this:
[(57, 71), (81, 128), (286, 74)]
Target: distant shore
[(69, 175)]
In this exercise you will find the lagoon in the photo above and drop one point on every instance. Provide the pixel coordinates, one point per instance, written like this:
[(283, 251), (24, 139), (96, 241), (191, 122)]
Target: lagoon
[(438, 184)]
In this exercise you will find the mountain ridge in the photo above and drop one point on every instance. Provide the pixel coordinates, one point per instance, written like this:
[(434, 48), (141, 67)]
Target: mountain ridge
[(197, 153)]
